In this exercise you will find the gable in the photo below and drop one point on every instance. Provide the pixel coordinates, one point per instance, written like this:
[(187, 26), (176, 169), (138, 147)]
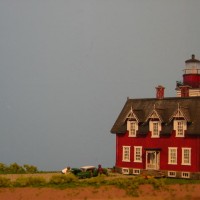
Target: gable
[(154, 115), (180, 114), (131, 115)]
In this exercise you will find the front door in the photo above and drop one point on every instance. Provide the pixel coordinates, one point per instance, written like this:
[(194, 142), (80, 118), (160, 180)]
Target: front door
[(152, 160)]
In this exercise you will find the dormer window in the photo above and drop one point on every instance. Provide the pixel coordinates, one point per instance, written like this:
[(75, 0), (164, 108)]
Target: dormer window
[(180, 126), (155, 128), (132, 127), (154, 123), (179, 122), (132, 123)]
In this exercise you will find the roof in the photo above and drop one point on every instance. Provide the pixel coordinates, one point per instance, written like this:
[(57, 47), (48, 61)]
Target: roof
[(189, 107), (192, 60)]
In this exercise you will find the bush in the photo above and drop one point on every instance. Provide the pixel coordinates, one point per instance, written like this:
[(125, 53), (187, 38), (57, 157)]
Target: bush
[(3, 168), (156, 183), (5, 182), (96, 181), (30, 169), (30, 181), (14, 168), (63, 179)]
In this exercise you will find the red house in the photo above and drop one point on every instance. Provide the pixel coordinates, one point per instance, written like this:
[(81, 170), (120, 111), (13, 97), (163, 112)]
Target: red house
[(162, 135)]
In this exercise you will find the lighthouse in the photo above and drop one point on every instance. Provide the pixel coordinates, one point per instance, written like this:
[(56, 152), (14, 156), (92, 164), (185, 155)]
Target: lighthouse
[(190, 86)]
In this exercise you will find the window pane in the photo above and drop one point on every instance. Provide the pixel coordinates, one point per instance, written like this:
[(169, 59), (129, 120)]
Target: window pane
[(126, 153), (138, 154), (180, 128), (186, 156), (172, 156)]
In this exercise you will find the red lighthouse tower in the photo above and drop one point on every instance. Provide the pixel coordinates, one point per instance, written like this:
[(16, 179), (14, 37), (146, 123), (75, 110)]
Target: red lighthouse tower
[(191, 79)]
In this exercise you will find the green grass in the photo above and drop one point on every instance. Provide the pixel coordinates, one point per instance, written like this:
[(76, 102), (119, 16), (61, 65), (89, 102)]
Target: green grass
[(169, 181)]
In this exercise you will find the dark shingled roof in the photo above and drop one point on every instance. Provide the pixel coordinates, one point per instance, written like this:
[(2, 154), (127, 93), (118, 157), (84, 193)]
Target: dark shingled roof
[(166, 108)]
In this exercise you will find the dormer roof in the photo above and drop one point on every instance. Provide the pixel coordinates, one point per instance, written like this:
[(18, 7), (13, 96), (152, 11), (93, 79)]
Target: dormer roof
[(180, 113), (154, 114)]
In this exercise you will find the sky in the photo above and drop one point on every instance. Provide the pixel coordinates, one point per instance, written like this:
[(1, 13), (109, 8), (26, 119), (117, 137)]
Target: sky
[(68, 66)]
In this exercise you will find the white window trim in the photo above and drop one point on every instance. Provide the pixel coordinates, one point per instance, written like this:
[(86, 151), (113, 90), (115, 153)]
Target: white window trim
[(183, 159), (125, 170), (151, 126), (185, 175), (171, 174), (135, 154), (136, 171), (123, 154), (169, 155), (176, 127), (130, 134)]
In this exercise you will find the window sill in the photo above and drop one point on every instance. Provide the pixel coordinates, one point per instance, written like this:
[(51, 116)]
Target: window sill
[(185, 164), (126, 161)]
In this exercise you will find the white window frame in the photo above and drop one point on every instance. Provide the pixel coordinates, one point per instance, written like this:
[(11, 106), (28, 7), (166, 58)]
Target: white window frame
[(132, 127), (172, 155), (125, 170), (185, 175), (186, 156), (136, 171), (138, 154), (155, 128), (180, 126), (171, 174), (126, 154)]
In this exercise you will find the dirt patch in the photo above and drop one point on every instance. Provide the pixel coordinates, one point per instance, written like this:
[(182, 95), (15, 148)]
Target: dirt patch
[(144, 192)]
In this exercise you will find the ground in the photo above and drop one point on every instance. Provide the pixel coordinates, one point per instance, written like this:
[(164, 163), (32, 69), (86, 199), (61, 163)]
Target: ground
[(145, 192)]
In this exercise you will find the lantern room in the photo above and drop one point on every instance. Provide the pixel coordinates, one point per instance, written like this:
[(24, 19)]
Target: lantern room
[(191, 76)]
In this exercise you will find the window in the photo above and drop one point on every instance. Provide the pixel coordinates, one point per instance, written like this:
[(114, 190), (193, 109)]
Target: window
[(171, 174), (172, 155), (125, 170), (155, 127), (180, 127), (132, 127), (186, 156), (136, 171), (137, 154), (185, 174), (126, 154)]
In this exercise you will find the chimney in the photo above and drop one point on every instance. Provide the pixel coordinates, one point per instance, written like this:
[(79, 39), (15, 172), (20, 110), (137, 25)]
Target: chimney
[(184, 90), (160, 92)]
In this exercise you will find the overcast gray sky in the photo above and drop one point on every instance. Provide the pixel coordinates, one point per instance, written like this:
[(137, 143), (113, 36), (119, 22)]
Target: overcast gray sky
[(67, 67)]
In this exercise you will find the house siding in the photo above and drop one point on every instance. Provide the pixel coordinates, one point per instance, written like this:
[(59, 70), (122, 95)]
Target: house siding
[(163, 143)]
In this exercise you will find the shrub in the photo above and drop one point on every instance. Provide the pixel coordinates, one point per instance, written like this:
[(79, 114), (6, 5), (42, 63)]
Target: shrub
[(14, 168), (29, 181), (30, 168), (156, 183), (5, 182), (96, 181), (63, 179), (3, 168)]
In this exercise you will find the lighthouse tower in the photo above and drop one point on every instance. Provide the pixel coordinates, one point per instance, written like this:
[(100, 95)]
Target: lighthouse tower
[(191, 79)]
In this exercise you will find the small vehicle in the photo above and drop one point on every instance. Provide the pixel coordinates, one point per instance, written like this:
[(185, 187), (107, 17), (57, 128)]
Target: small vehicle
[(85, 172)]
